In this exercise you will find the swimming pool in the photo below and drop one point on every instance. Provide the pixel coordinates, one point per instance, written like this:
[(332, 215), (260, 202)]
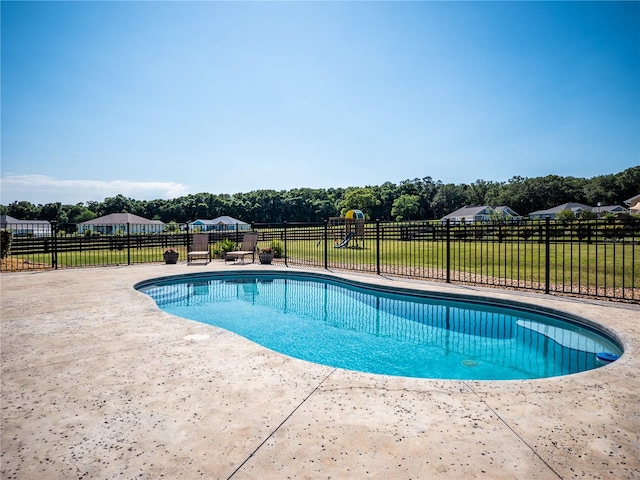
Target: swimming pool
[(411, 333)]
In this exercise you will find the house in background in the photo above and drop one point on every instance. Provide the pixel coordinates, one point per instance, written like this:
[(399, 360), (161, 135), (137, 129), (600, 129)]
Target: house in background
[(615, 209), (117, 223), (576, 208), (634, 204), (551, 213), (220, 224), (479, 213), (506, 212), (38, 228)]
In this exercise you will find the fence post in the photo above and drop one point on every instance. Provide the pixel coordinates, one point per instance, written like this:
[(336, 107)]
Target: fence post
[(547, 254), (186, 240), (54, 244), (326, 251), (448, 260), (285, 245), (128, 244), (378, 246)]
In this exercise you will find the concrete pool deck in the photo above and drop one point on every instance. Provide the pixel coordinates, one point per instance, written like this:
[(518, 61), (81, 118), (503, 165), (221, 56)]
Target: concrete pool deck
[(97, 382)]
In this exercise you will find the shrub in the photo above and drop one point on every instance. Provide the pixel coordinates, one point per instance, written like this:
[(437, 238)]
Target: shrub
[(172, 226), (587, 215), (5, 242), (565, 215), (221, 248), (526, 232), (612, 231), (276, 247)]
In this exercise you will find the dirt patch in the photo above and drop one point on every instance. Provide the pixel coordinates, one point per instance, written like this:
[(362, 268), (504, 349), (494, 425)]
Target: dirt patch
[(19, 264)]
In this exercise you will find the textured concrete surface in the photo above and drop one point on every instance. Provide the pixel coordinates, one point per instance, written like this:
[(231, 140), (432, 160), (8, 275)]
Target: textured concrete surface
[(97, 382)]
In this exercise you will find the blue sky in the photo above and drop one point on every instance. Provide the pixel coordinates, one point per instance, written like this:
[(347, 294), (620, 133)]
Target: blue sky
[(162, 99)]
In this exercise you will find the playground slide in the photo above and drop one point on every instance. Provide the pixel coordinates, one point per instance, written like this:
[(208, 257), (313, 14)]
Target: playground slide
[(346, 240)]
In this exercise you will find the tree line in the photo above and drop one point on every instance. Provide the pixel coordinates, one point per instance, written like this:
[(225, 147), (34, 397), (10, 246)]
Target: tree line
[(417, 199)]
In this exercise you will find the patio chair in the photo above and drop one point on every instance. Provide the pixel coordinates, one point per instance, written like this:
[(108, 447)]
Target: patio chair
[(199, 248), (248, 246)]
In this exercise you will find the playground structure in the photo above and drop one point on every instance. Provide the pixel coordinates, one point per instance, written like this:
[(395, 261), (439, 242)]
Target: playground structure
[(347, 229)]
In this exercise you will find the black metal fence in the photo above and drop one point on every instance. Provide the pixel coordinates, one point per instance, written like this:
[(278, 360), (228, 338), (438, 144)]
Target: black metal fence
[(593, 258)]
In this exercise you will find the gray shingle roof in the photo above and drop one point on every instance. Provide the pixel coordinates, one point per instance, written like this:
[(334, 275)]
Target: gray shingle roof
[(225, 219), (633, 200), (468, 211), (564, 206), (121, 218), (6, 219)]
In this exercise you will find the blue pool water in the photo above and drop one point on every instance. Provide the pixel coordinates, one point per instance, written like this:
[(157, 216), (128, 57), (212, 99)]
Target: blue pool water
[(336, 323)]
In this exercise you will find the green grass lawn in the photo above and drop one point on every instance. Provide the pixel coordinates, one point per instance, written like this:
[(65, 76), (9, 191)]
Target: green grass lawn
[(103, 257), (610, 264)]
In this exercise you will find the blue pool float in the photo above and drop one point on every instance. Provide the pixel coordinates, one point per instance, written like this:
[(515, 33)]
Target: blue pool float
[(606, 357)]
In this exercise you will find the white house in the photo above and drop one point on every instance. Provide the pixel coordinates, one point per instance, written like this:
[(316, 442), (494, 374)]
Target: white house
[(38, 228), (117, 223), (220, 224), (479, 213)]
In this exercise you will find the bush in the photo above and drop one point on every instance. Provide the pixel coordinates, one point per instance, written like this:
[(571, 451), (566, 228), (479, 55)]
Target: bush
[(5, 242), (276, 247), (173, 227), (221, 248), (612, 231), (525, 232), (565, 215)]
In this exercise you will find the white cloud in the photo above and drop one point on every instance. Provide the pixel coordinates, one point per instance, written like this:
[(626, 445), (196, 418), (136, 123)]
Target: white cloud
[(41, 189)]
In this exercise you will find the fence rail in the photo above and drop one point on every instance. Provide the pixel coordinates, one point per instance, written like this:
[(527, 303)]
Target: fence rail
[(594, 258)]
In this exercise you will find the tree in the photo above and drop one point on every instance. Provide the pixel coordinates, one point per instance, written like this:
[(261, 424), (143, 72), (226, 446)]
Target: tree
[(84, 216), (557, 190), (602, 189), (386, 194), (524, 195), (477, 192), (425, 188), (323, 208), (449, 197), (23, 210), (359, 199), (628, 183), (405, 207), (50, 211), (117, 204)]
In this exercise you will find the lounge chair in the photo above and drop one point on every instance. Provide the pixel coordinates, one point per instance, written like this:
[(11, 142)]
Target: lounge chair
[(199, 248), (248, 247)]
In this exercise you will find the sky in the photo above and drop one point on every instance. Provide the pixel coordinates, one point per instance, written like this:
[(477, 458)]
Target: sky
[(159, 99)]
